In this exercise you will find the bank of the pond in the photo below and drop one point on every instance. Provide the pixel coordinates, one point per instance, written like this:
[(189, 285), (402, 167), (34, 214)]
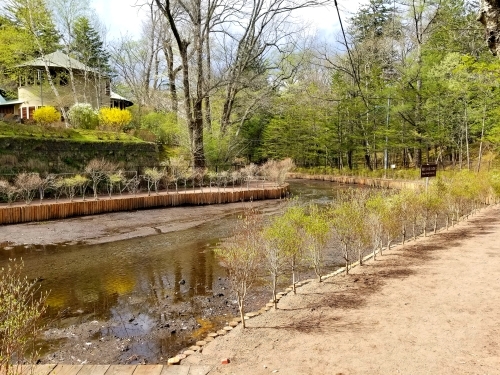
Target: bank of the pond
[(359, 180), (428, 307), (55, 210)]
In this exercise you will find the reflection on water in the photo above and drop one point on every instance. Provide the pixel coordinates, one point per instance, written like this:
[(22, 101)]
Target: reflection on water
[(122, 281)]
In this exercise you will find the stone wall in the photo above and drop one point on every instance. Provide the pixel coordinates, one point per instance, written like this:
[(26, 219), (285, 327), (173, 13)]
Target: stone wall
[(61, 156)]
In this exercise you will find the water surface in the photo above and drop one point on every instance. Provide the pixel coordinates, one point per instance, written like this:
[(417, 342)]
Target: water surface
[(125, 281)]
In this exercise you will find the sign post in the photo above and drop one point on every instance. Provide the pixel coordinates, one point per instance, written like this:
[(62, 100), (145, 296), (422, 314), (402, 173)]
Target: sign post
[(428, 170)]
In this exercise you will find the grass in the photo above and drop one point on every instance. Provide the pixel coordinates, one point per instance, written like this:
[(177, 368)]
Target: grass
[(54, 133)]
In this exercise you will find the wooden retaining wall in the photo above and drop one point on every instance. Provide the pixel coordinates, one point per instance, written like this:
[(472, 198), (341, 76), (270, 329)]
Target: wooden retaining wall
[(52, 211), (356, 180)]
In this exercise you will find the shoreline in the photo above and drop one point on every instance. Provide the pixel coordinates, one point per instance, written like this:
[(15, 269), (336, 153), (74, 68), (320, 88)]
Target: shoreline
[(116, 226), (403, 312)]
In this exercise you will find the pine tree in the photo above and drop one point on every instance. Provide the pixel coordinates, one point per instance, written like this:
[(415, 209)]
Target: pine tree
[(88, 47)]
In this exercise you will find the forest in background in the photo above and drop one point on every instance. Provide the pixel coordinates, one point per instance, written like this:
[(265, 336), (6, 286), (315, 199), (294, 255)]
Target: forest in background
[(217, 82)]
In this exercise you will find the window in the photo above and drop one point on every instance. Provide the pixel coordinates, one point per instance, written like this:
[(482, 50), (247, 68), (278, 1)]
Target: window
[(63, 79)]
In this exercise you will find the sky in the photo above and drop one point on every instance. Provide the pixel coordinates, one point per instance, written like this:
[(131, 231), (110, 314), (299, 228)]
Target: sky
[(124, 17)]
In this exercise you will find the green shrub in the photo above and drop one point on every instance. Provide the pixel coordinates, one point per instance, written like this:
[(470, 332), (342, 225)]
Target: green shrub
[(163, 126), (83, 116)]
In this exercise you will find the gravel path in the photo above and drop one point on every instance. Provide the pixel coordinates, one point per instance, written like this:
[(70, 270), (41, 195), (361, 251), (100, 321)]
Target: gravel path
[(430, 307)]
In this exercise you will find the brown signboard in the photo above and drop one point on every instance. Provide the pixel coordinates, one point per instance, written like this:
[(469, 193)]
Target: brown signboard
[(428, 170)]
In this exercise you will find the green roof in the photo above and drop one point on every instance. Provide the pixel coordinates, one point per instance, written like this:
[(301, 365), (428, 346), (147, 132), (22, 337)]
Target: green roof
[(58, 60)]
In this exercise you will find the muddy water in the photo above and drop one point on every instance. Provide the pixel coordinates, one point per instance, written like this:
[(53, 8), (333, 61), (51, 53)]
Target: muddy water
[(163, 291)]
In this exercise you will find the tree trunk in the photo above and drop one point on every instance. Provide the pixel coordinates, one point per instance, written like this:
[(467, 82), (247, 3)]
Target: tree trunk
[(242, 313), (489, 16), (481, 142), (172, 73), (207, 83), (275, 280), (467, 137), (346, 257), (193, 106)]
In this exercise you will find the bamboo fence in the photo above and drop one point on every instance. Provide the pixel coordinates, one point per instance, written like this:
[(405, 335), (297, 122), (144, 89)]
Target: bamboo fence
[(51, 210)]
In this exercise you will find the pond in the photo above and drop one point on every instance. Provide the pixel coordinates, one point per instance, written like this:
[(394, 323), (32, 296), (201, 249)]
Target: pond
[(159, 293)]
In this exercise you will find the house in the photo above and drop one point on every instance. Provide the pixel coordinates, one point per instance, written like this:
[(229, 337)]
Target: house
[(73, 80), (9, 107)]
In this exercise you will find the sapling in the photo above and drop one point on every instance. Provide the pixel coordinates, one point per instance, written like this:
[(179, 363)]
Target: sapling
[(275, 259), (27, 184), (114, 179), (317, 233), (178, 169), (348, 219), (21, 310), (152, 176), (242, 256), (8, 190), (376, 210), (132, 184), (98, 169), (45, 184)]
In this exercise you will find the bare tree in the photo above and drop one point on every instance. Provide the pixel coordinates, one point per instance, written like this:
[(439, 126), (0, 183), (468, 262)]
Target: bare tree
[(241, 255), (8, 191), (132, 184), (192, 74), (45, 184), (27, 184), (98, 169), (152, 176), (246, 33)]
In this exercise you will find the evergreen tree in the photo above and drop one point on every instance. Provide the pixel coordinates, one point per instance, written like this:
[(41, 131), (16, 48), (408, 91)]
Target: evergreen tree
[(88, 46), (372, 20), (34, 18)]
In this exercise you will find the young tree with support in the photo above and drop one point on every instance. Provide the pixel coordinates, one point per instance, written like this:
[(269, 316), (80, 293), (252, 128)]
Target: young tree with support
[(242, 256)]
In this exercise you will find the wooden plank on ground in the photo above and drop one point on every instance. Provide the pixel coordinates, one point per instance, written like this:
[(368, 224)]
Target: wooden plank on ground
[(35, 369), (66, 370), (175, 370), (148, 370), (121, 370), (94, 370), (199, 370)]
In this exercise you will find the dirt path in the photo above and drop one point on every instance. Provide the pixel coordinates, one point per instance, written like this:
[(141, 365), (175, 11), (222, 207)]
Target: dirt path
[(430, 307)]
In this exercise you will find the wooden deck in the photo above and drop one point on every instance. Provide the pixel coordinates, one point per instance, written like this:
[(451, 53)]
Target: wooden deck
[(112, 370)]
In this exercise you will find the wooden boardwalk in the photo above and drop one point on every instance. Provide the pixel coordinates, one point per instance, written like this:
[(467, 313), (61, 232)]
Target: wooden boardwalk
[(113, 370)]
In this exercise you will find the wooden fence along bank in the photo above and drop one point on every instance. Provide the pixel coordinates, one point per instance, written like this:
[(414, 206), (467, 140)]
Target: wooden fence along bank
[(51, 210), (357, 180)]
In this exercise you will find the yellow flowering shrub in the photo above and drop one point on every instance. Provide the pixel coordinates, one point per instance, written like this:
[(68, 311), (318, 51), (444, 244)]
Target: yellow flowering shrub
[(46, 115), (114, 118)]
